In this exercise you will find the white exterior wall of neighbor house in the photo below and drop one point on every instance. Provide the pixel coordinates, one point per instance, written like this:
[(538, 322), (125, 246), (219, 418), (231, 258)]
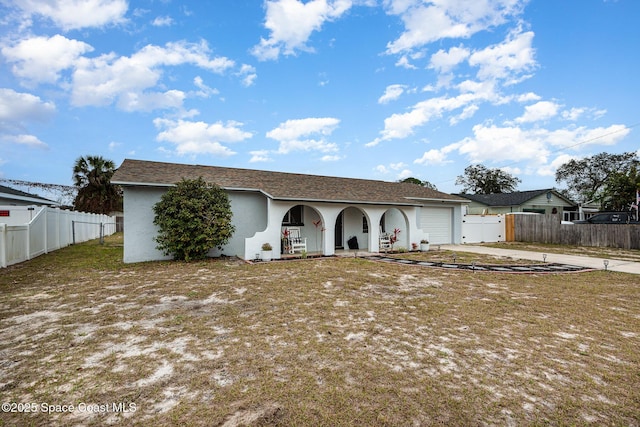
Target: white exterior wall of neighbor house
[(541, 202)]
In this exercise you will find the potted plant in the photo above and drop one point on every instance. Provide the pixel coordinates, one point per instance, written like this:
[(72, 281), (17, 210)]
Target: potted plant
[(424, 245), (266, 251)]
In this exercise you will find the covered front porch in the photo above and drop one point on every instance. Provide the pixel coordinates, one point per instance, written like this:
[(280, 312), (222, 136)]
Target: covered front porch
[(327, 229)]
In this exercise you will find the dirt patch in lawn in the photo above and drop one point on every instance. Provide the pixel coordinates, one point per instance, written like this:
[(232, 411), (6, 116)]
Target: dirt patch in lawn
[(317, 342)]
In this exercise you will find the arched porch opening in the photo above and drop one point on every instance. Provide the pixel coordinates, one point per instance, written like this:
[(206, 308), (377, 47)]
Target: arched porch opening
[(310, 224), (394, 225), (352, 229)]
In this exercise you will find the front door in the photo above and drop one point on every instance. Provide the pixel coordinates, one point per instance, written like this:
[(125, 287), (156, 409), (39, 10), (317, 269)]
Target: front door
[(339, 232)]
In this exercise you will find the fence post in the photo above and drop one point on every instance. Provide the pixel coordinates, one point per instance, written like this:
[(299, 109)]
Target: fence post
[(3, 245), (102, 233), (46, 230), (510, 228), (73, 232)]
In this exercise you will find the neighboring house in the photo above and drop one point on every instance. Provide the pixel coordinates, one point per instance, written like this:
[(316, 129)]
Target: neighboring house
[(12, 197), (547, 201), (328, 210)]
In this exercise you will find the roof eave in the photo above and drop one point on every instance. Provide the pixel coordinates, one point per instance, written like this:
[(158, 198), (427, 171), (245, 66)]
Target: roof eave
[(163, 185), (435, 199), (346, 201), (28, 199)]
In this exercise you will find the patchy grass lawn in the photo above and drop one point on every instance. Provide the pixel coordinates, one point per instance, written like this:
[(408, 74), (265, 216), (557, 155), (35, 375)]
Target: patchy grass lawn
[(315, 342)]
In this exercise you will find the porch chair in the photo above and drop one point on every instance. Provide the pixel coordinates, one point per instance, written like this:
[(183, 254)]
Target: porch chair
[(296, 242)]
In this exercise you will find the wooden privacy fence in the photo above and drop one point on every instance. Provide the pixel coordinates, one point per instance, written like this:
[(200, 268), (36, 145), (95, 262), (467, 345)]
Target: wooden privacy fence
[(549, 229), (30, 232)]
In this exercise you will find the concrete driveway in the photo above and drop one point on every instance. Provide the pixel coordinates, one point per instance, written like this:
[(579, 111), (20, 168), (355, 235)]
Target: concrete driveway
[(582, 261)]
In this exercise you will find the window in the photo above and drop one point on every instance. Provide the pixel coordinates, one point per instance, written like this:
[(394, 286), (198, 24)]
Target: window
[(365, 224), (293, 216)]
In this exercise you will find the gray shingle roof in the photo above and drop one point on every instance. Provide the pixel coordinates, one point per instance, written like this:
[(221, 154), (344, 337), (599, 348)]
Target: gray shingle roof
[(9, 193), (516, 198), (280, 185)]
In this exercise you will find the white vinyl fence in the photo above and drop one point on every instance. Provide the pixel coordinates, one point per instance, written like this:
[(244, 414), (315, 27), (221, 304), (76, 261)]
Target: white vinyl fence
[(28, 231), (483, 228)]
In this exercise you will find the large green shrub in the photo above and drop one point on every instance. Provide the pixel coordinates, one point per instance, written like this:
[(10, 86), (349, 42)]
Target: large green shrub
[(193, 217)]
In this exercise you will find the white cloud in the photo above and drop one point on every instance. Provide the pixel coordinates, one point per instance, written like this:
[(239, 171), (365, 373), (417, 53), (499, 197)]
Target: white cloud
[(17, 110), (397, 166), (330, 158), (248, 75), (444, 62), (539, 111), (404, 174), (498, 145), (149, 101), (579, 137), (30, 141), (291, 23), (435, 156), (391, 93), (573, 114), (77, 14), (41, 59), (191, 137), (497, 65), (400, 169), (467, 112), (107, 78), (426, 22), (19, 107), (260, 156), (403, 62), (510, 60), (432, 157), (381, 169), (551, 168), (205, 91), (528, 97), (293, 135), (162, 21), (492, 144), (401, 125)]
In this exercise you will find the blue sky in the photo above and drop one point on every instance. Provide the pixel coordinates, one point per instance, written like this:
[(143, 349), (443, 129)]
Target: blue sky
[(379, 89)]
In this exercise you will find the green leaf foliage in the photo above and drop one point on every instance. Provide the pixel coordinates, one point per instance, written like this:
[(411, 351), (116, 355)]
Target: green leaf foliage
[(92, 178), (609, 180), (193, 217), (478, 179)]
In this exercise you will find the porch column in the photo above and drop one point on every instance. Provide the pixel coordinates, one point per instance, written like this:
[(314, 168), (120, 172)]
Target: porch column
[(330, 214), (373, 216)]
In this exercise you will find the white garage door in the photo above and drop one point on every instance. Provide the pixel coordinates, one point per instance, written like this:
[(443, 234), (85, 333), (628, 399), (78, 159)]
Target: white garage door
[(437, 222)]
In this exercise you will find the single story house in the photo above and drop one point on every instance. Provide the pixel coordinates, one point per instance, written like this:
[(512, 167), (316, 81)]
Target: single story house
[(12, 197), (546, 201), (328, 211)]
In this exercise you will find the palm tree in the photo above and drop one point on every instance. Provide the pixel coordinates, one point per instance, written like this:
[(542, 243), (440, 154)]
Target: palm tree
[(92, 177)]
